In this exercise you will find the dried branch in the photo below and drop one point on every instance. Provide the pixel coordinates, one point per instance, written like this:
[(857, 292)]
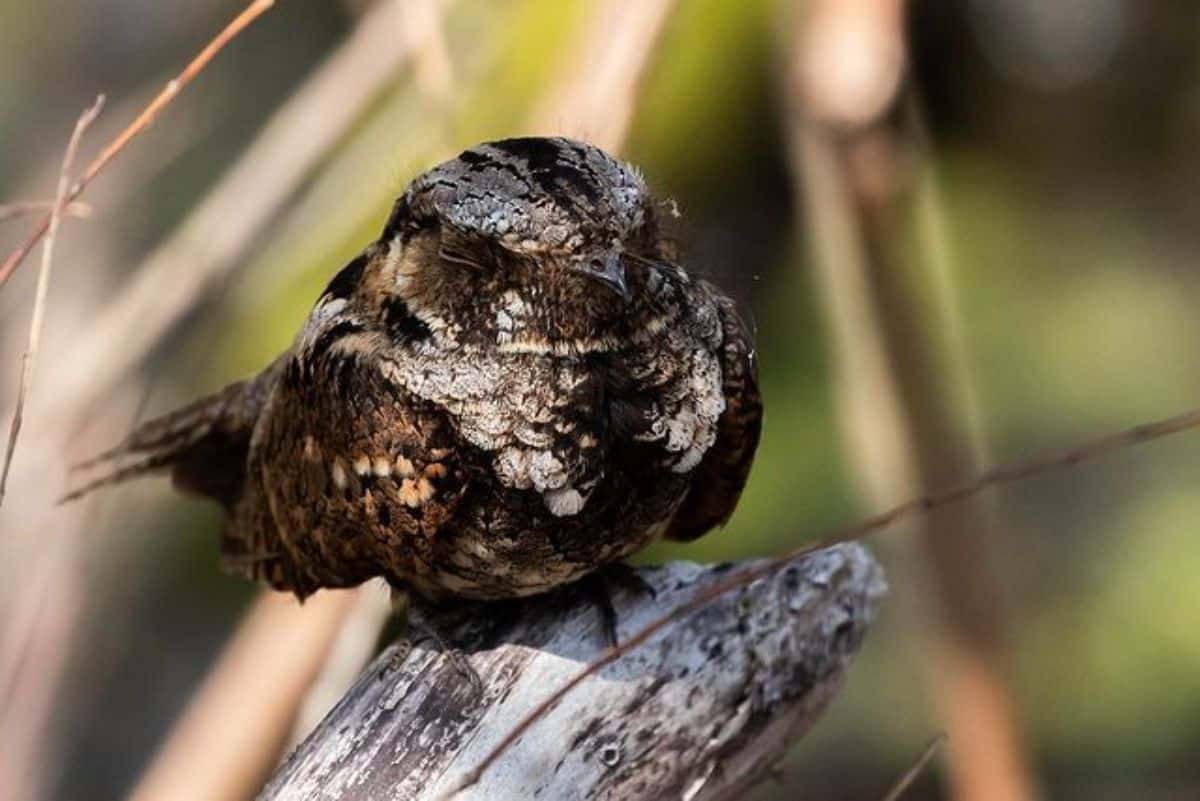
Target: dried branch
[(43, 285), (140, 124), (1004, 474), (34, 644)]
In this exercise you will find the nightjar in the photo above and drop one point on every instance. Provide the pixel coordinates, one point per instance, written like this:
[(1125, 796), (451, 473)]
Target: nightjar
[(514, 386)]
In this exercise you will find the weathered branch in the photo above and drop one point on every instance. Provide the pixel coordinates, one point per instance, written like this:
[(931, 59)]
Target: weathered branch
[(702, 711)]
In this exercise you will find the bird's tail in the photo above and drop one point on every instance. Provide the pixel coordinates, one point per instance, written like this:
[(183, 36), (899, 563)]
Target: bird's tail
[(204, 446)]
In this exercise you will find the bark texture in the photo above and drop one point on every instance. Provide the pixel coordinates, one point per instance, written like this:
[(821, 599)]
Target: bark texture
[(701, 711)]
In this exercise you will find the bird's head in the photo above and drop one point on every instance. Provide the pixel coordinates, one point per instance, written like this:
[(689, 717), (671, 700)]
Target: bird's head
[(532, 244)]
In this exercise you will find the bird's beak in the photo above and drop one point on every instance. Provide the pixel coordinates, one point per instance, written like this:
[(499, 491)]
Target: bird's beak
[(608, 270)]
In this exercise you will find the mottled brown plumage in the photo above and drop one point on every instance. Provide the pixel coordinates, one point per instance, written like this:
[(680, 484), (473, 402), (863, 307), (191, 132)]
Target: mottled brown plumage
[(514, 386)]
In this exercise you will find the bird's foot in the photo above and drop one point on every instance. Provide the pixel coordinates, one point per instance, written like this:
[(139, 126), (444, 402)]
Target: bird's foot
[(419, 629), (600, 586)]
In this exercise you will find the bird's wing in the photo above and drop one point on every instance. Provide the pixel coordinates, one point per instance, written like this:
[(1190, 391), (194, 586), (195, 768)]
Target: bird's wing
[(719, 478), (359, 476), (203, 444)]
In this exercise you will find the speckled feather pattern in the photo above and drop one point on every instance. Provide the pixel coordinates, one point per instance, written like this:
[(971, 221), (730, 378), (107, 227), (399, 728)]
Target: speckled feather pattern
[(534, 195), (512, 387)]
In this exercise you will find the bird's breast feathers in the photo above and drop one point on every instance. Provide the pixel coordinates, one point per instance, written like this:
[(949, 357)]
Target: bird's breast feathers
[(550, 423)]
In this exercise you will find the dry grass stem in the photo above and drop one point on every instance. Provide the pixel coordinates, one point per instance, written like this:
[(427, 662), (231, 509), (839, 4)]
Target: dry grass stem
[(910, 775), (34, 645), (28, 208), (43, 285), (143, 121), (1000, 475)]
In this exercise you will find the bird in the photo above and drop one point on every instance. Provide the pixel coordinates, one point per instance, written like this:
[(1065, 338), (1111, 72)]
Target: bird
[(516, 385)]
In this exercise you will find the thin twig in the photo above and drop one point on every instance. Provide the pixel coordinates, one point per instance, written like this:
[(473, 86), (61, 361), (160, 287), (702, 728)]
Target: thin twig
[(51, 622), (43, 285), (27, 208), (143, 121), (1000, 475), (910, 775)]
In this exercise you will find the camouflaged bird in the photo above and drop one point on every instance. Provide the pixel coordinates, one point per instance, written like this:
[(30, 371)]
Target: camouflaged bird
[(513, 387)]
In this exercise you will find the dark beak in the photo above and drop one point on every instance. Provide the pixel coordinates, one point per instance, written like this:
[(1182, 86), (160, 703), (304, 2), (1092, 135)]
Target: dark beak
[(608, 270)]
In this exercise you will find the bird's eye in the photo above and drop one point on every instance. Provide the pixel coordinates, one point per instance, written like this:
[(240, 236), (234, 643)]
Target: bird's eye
[(597, 265)]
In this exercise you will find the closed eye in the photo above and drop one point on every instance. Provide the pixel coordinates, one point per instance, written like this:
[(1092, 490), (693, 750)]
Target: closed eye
[(655, 263)]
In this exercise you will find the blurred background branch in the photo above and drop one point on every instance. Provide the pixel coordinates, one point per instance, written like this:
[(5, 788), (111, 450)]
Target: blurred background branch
[(596, 96), (235, 727), (906, 407)]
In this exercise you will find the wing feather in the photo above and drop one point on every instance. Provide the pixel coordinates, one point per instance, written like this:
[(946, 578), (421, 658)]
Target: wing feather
[(721, 475)]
